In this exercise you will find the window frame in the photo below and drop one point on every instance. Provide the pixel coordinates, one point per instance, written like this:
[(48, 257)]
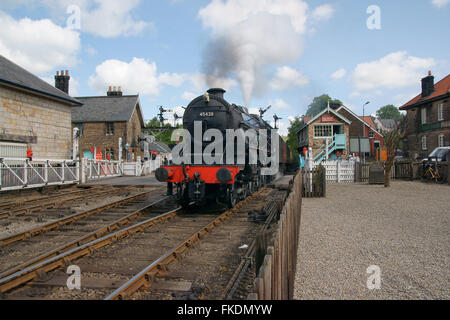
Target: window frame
[(109, 128), (424, 143), (423, 115), (322, 126), (440, 112)]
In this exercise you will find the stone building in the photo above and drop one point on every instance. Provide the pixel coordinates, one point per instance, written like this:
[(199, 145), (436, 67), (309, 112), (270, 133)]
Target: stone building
[(428, 118), (34, 115), (103, 120)]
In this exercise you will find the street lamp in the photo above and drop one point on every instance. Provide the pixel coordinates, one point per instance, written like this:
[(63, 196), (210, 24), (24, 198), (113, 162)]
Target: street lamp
[(364, 129)]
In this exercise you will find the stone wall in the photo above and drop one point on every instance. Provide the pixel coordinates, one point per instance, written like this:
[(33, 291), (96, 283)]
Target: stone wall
[(94, 135), (44, 124), (414, 133)]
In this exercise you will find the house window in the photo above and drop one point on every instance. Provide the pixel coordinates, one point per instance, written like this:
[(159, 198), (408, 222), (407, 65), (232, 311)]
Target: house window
[(441, 140), (424, 143), (424, 115), (110, 128), (440, 112), (371, 135), (323, 131)]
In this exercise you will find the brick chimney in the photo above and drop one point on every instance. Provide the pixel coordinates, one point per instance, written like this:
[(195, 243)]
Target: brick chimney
[(62, 81), (113, 92), (427, 85)]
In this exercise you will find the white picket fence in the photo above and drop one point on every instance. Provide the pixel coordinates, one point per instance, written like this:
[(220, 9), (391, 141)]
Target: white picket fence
[(340, 171)]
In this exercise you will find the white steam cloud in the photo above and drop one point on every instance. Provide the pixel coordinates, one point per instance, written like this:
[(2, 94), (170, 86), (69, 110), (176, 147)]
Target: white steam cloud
[(251, 35)]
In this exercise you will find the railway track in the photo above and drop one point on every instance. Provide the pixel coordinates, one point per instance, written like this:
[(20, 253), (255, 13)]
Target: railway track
[(136, 250), (27, 207), (64, 218)]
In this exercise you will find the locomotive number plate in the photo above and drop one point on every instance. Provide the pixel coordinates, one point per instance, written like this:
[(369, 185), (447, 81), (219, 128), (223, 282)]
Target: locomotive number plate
[(207, 114)]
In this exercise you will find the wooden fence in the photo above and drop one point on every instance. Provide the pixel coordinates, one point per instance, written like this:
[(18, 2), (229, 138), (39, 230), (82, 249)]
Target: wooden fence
[(314, 182), (276, 276), (404, 170)]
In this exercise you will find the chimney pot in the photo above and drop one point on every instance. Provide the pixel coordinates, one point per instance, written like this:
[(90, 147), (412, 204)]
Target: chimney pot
[(62, 81)]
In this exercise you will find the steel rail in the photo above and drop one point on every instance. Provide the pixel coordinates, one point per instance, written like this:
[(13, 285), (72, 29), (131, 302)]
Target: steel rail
[(21, 277), (147, 276), (10, 204), (68, 220), (235, 279), (84, 239), (51, 204)]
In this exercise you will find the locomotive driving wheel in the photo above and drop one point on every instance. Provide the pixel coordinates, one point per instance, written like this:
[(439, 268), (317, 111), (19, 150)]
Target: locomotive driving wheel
[(231, 196)]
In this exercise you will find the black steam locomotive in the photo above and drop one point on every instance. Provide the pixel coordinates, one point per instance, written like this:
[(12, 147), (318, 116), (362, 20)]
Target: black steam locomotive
[(224, 183)]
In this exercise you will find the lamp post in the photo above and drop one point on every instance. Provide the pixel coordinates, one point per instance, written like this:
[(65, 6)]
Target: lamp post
[(364, 129)]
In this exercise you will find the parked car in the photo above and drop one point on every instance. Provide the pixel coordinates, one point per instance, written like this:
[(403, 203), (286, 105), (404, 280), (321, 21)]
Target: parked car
[(441, 154)]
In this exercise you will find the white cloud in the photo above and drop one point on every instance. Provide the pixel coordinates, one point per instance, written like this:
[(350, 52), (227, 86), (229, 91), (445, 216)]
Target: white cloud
[(440, 3), (38, 45), (339, 74), (221, 16), (253, 111), (104, 18), (283, 127), (323, 12), (137, 76), (287, 77), (279, 104), (189, 96), (396, 70), (354, 94)]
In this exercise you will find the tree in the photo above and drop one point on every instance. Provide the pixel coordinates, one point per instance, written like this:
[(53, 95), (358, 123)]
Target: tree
[(389, 112), (292, 138), (319, 104), (391, 143), (164, 136)]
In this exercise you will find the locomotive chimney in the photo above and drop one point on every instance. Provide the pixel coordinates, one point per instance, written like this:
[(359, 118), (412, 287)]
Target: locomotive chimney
[(218, 92), (62, 81)]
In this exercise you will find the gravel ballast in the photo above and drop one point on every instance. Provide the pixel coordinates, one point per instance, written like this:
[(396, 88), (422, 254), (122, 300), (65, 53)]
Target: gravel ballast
[(404, 230)]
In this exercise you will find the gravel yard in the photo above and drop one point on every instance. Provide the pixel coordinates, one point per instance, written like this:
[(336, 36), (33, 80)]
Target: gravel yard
[(404, 230)]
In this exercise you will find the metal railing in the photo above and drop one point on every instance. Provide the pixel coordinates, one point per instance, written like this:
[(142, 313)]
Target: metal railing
[(98, 169), (19, 173)]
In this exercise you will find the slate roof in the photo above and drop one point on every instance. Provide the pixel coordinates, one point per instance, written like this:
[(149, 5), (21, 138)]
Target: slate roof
[(441, 89), (159, 146), (388, 123), (13, 75), (106, 109)]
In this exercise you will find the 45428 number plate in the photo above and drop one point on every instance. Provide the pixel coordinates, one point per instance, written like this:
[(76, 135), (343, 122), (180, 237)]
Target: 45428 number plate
[(207, 114)]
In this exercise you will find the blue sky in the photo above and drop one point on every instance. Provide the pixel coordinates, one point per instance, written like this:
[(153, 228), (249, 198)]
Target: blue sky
[(283, 52)]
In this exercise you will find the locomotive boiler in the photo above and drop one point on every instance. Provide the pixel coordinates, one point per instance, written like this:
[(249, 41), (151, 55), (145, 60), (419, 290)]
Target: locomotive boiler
[(195, 182)]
